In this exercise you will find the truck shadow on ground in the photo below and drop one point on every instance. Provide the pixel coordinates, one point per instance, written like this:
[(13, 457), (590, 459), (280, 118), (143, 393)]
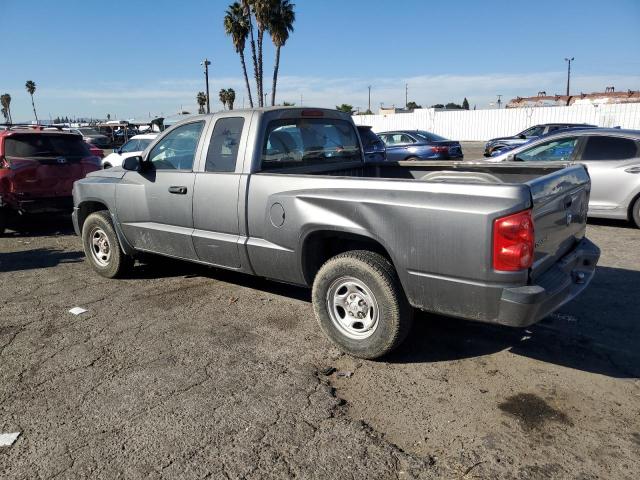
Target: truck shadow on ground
[(37, 258), (598, 332)]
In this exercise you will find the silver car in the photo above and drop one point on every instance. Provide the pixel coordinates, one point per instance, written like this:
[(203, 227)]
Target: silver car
[(612, 157)]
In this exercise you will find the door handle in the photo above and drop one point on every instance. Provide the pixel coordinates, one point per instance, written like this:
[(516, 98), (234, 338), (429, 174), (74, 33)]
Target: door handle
[(178, 190), (633, 170)]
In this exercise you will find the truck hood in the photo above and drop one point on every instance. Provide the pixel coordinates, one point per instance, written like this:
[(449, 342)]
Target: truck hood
[(115, 172)]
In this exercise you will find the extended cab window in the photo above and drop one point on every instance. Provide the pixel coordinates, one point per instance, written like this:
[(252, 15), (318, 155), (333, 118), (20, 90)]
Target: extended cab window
[(177, 150), (553, 151), (224, 144), (309, 141), (609, 148)]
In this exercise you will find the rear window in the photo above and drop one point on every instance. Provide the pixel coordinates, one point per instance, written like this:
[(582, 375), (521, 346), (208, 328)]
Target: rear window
[(45, 146), (430, 137), (309, 141), (609, 148), (368, 138)]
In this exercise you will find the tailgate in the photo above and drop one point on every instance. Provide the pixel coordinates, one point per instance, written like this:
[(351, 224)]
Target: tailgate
[(560, 202)]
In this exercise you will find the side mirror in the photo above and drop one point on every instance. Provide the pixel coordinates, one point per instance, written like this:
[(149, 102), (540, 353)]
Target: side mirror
[(135, 164)]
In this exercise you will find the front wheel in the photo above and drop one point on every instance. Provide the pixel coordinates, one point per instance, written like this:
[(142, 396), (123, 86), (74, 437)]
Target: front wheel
[(635, 212), (102, 248), (360, 305)]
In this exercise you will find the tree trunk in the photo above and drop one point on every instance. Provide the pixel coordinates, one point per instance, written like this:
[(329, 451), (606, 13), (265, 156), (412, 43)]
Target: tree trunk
[(34, 109), (246, 78), (275, 76), (260, 39), (255, 60)]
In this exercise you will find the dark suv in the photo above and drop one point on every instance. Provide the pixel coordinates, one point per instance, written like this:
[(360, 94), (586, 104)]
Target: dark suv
[(500, 144), (38, 168)]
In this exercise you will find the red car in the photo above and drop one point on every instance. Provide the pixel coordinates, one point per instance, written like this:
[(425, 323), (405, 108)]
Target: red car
[(95, 151), (37, 170)]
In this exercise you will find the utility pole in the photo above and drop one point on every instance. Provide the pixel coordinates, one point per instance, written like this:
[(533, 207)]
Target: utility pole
[(369, 98), (499, 102), (300, 99), (406, 95), (206, 64), (568, 60)]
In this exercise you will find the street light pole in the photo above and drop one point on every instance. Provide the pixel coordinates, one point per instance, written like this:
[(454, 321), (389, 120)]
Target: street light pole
[(568, 60), (206, 64), (369, 87), (406, 95)]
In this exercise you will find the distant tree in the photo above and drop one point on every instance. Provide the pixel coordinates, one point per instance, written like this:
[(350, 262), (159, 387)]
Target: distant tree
[(231, 97), (288, 104), (465, 103), (237, 24), (368, 112), (437, 105), (413, 105), (453, 106), (222, 95), (108, 117), (201, 98), (5, 101), (31, 89), (345, 107), (280, 25)]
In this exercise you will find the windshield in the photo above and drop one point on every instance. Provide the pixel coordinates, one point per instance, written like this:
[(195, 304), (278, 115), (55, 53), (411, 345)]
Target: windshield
[(45, 146), (89, 131), (430, 137), (309, 141)]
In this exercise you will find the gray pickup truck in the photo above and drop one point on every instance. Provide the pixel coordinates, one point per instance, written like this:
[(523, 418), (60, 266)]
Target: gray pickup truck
[(285, 193)]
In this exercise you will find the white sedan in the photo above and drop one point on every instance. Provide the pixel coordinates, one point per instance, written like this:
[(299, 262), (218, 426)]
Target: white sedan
[(135, 146)]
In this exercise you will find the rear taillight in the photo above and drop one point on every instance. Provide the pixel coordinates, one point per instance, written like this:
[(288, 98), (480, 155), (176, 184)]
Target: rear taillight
[(440, 149), (513, 242)]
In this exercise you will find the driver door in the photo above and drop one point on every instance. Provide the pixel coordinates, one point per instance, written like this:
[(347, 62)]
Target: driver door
[(155, 206)]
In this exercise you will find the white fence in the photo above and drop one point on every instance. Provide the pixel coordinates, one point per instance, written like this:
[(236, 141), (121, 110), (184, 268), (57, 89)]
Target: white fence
[(486, 124)]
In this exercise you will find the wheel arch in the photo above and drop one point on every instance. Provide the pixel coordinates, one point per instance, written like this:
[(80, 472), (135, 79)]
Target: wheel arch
[(320, 245)]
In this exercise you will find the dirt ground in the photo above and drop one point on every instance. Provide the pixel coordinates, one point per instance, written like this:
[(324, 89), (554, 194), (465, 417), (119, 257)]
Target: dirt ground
[(181, 371)]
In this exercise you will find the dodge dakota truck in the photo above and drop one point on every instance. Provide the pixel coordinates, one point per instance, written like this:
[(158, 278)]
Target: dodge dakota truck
[(286, 194)]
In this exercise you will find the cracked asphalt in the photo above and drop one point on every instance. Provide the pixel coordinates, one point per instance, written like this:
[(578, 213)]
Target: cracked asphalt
[(181, 371)]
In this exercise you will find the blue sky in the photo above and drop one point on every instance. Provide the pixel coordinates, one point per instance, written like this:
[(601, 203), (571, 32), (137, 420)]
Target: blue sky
[(135, 58)]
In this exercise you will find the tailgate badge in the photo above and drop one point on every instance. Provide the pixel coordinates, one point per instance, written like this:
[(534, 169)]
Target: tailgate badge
[(61, 160)]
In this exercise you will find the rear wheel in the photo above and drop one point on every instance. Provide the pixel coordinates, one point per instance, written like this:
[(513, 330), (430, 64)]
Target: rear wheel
[(106, 165), (102, 248), (360, 305), (635, 212), (412, 159)]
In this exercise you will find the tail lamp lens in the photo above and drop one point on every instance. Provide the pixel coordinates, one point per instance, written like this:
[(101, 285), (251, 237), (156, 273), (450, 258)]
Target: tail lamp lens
[(440, 149), (513, 242)]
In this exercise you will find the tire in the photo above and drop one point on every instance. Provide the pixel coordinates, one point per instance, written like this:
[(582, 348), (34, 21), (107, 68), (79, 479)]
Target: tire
[(363, 279), (106, 165), (635, 213), (102, 248), (412, 159)]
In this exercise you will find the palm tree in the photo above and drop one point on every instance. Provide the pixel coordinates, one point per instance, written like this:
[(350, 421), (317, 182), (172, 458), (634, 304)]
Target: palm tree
[(31, 89), (223, 97), (237, 25), (5, 101), (246, 9), (201, 98), (281, 23), (263, 11), (231, 97)]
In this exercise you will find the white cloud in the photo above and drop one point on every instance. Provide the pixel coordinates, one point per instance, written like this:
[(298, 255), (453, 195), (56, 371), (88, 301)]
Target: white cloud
[(169, 95)]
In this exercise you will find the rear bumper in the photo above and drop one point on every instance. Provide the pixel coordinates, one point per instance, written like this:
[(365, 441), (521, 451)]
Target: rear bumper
[(523, 306), (516, 306)]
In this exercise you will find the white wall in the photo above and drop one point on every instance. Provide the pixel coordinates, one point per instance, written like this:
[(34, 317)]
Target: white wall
[(485, 124)]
